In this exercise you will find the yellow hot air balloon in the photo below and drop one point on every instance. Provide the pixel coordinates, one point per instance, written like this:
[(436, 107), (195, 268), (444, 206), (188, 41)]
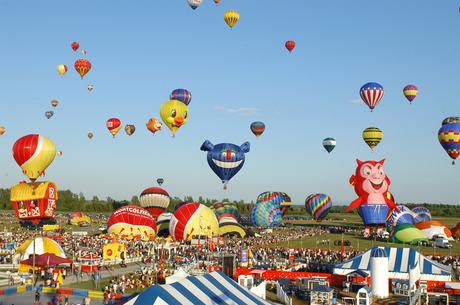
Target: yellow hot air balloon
[(231, 18), (174, 114), (2, 130), (372, 136), (62, 69)]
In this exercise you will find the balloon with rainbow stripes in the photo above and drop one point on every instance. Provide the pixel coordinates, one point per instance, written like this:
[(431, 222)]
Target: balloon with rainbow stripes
[(318, 205)]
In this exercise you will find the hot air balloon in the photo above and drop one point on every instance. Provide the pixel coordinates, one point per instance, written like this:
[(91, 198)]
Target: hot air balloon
[(449, 138), (131, 220), (225, 159), (193, 219), (34, 153), (318, 205), (79, 219), (54, 103), (182, 95), (90, 87), (163, 224), (83, 52), (113, 125), (452, 119), (290, 45), (217, 2), (194, 3), (90, 135), (410, 92), (257, 128), (372, 136), (59, 153), (153, 125), (160, 181), (266, 214), (286, 204), (74, 45), (130, 129), (2, 130), (62, 69), (82, 66), (371, 94), (174, 114), (329, 144), (227, 210), (49, 114), (403, 216), (155, 200), (421, 214), (231, 18)]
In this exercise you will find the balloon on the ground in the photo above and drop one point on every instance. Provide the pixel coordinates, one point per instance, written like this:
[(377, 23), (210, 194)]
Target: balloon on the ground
[(229, 227), (410, 92), (80, 219), (113, 125), (130, 129), (34, 153), (82, 66), (372, 136), (329, 144), (155, 200), (421, 214), (54, 103), (371, 94), (451, 119), (162, 223), (285, 204), (257, 128), (49, 114), (193, 219), (231, 18), (290, 45), (153, 125), (182, 95), (74, 45), (194, 3), (449, 138), (456, 231), (407, 234), (433, 229), (62, 69), (403, 216), (371, 184), (318, 205), (174, 114), (225, 159), (226, 209), (266, 212), (131, 221), (160, 181), (90, 135)]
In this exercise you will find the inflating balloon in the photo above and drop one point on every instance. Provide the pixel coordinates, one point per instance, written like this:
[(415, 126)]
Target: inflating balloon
[(257, 128), (74, 45), (421, 214), (193, 219), (371, 185), (163, 224), (403, 216), (90, 87), (82, 66), (182, 95), (266, 214), (290, 45), (410, 92), (130, 129), (62, 69), (449, 138), (34, 153), (2, 130), (90, 135), (155, 200), (113, 125), (231, 18), (372, 136), (329, 144), (194, 3), (153, 125), (174, 114), (318, 205), (452, 119), (49, 114), (225, 159), (371, 94), (160, 181), (130, 221), (54, 103), (227, 210)]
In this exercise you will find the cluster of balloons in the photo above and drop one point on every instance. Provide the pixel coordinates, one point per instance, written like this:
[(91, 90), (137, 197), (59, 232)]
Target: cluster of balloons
[(372, 93), (449, 137), (231, 17), (81, 65), (114, 125)]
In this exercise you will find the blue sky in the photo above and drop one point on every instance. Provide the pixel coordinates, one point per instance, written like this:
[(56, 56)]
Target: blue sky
[(141, 50)]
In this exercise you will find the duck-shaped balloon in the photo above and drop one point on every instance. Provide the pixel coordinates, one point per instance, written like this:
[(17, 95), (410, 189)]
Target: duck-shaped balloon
[(174, 114)]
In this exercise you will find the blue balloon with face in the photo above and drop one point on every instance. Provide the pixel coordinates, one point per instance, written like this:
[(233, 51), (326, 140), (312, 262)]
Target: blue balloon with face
[(225, 159)]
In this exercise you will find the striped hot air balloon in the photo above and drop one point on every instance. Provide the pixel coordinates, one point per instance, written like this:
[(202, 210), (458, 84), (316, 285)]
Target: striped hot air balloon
[(451, 119), (155, 200), (449, 138), (372, 136), (267, 212), (371, 94), (410, 92), (130, 221), (257, 128), (318, 205), (193, 219), (329, 144)]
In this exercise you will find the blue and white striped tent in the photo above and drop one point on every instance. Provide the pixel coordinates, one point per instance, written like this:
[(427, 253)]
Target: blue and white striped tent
[(209, 289), (399, 262)]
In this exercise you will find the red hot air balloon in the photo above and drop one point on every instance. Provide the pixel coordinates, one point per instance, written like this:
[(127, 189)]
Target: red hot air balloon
[(290, 45), (82, 66), (155, 200), (74, 45), (113, 125), (131, 220)]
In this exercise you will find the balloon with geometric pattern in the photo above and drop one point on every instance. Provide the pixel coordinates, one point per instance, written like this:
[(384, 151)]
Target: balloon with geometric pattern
[(371, 94), (449, 138), (318, 205)]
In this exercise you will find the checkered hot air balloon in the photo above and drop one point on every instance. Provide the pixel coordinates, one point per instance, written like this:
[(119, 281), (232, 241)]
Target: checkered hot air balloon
[(371, 94), (449, 138)]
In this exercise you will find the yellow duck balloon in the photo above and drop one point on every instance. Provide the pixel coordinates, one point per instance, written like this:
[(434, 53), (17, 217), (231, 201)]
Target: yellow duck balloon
[(174, 114), (231, 18)]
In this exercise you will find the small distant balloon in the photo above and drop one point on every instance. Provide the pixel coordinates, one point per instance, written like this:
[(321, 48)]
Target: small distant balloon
[(329, 144), (194, 3), (182, 95), (290, 45), (74, 45), (113, 125), (130, 129), (372, 136), (160, 181), (90, 135), (410, 92), (62, 69), (90, 87), (231, 18), (257, 128), (59, 153), (153, 125), (217, 2), (54, 103), (49, 114), (371, 94), (82, 66), (2, 130), (83, 52)]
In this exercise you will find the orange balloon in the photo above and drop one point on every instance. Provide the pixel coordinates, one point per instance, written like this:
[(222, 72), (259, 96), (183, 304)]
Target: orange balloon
[(82, 66), (153, 125)]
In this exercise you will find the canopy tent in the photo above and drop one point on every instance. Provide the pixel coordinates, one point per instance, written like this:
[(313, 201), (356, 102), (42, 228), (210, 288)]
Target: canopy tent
[(46, 259), (179, 275), (399, 260), (209, 289), (39, 245)]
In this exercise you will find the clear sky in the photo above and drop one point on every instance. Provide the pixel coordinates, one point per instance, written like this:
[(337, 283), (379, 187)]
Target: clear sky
[(141, 50)]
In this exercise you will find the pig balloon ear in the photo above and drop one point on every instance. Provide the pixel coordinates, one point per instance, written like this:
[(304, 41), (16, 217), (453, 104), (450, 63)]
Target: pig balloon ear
[(359, 162), (207, 146), (245, 147), (352, 180), (382, 161)]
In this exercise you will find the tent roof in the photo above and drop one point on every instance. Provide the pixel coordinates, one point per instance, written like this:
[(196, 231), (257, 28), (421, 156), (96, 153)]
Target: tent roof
[(47, 259), (212, 288), (30, 191)]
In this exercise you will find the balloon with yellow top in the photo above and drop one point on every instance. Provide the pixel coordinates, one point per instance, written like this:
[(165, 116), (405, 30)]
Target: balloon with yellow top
[(174, 114), (231, 18)]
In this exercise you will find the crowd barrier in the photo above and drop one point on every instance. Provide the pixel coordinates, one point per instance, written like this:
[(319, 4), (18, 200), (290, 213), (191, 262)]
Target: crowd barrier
[(65, 291)]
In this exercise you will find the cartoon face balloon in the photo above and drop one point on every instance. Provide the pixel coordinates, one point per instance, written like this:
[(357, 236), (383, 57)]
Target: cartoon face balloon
[(174, 114), (34, 153), (153, 125), (225, 159)]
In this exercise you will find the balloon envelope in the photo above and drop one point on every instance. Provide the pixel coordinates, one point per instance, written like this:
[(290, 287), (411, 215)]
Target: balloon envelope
[(160, 181), (449, 138), (174, 114), (153, 125), (2, 130), (290, 45), (54, 103), (404, 216), (231, 18), (194, 3), (82, 66), (49, 114), (371, 94), (193, 219), (372, 136), (329, 144), (130, 129), (410, 92), (74, 45), (155, 200), (62, 69), (90, 135), (266, 214), (132, 220), (113, 125), (182, 95), (452, 119), (318, 205), (257, 128)]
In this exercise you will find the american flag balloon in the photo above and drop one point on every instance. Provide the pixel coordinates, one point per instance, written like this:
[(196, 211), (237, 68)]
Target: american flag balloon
[(371, 94)]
